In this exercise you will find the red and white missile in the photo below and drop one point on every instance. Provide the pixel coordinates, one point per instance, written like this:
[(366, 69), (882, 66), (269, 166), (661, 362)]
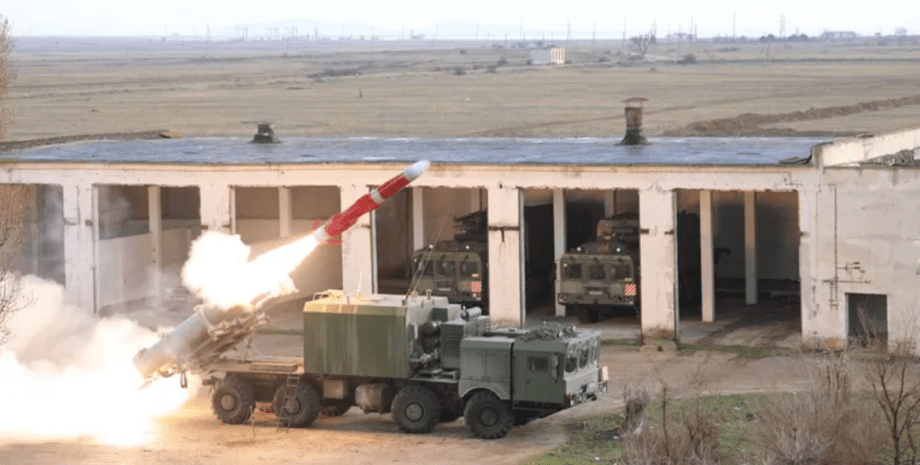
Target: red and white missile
[(369, 202)]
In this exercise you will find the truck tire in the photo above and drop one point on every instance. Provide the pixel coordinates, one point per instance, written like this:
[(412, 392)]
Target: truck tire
[(587, 314), (302, 409), (487, 417), (233, 400), (416, 409)]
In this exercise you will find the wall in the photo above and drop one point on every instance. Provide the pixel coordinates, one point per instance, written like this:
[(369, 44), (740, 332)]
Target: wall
[(866, 241), (854, 150)]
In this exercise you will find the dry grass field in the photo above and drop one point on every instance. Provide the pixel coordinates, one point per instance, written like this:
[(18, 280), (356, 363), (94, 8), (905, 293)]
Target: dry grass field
[(73, 87)]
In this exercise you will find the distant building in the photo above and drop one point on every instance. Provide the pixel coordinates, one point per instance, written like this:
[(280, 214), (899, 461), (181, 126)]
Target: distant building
[(838, 35), (548, 56)]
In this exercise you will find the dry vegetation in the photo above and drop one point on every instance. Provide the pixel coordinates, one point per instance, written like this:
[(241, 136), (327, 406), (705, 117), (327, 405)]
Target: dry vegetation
[(13, 202), (474, 89), (6, 71)]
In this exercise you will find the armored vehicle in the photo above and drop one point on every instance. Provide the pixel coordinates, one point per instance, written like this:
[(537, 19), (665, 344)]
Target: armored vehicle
[(457, 268), (419, 358), (603, 276)]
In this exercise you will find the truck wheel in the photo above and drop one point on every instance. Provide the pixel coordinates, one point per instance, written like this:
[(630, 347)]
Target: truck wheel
[(302, 409), (587, 315), (334, 410), (487, 416), (233, 400), (416, 409)]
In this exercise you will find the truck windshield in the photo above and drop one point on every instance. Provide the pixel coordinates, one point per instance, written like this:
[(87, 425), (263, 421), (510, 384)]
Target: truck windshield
[(572, 270), (446, 268), (469, 269), (596, 271)]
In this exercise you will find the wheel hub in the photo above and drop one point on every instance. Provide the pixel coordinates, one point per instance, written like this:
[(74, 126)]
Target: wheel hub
[(414, 412), (228, 402), (488, 417)]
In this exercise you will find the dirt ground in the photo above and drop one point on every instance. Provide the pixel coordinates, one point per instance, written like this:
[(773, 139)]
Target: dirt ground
[(340, 89), (200, 90)]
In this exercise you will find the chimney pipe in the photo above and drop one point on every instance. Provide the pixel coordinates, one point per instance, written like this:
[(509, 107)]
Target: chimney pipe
[(265, 134), (634, 122)]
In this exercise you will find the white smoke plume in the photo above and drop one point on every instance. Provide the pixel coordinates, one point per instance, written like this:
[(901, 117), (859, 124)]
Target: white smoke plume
[(219, 270), (67, 374)]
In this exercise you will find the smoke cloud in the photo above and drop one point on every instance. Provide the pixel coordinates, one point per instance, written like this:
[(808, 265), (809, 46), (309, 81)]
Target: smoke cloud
[(67, 374), (219, 271)]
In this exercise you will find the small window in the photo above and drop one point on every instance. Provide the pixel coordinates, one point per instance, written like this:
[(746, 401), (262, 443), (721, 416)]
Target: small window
[(623, 271), (596, 272), (570, 362), (446, 268), (469, 269), (535, 363), (573, 271), (583, 355), (429, 269)]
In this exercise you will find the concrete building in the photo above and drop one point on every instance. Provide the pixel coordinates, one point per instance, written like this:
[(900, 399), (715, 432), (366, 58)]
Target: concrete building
[(548, 56), (836, 223)]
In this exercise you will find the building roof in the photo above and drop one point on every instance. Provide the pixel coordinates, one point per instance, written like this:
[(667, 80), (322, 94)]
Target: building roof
[(493, 151)]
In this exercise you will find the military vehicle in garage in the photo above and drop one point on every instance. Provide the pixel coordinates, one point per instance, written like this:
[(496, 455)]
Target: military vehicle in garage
[(603, 277), (457, 268)]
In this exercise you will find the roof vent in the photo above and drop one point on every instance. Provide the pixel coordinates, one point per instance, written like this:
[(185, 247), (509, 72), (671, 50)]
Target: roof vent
[(634, 122), (265, 134)]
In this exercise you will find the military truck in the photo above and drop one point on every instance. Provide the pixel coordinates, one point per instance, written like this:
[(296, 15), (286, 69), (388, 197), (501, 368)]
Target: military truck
[(419, 358), (457, 268), (603, 277)]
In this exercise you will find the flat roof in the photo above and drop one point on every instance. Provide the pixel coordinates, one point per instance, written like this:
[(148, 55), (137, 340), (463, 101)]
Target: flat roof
[(489, 151)]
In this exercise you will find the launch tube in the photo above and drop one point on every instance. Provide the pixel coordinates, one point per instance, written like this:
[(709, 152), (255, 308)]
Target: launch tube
[(210, 331)]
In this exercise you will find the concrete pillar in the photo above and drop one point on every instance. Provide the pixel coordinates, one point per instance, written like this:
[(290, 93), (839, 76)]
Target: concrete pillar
[(504, 256), (81, 226), (610, 207), (750, 247), (357, 248), (707, 261), (285, 212), (155, 223), (418, 218), (824, 316), (658, 279), (217, 208), (558, 243), (522, 252)]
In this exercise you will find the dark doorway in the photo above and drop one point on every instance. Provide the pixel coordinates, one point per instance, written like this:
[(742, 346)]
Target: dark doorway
[(867, 316)]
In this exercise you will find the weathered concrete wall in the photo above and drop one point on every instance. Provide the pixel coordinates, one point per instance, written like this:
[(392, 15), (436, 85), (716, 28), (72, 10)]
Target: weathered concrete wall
[(658, 259), (862, 237), (505, 273), (854, 150)]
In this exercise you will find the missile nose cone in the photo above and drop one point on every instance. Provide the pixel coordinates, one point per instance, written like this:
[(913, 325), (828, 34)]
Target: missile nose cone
[(413, 172)]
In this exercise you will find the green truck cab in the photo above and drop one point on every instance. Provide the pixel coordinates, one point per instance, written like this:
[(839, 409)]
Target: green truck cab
[(422, 359), (602, 276), (456, 270)]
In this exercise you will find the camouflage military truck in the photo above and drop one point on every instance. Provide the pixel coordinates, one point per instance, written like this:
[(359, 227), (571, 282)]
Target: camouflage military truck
[(457, 268), (603, 276), (419, 358)]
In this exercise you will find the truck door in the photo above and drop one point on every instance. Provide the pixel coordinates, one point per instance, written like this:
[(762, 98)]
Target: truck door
[(537, 371)]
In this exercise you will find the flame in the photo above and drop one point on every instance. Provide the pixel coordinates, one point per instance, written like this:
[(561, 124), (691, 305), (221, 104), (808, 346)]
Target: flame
[(68, 375), (220, 272)]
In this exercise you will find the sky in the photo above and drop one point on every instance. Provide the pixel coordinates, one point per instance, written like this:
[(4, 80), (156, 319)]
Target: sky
[(452, 20)]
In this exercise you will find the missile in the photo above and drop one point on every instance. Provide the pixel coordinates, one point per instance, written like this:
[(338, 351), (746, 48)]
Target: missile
[(209, 331), (369, 202)]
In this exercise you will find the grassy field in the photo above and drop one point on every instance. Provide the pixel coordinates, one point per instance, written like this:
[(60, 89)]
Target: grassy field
[(462, 90)]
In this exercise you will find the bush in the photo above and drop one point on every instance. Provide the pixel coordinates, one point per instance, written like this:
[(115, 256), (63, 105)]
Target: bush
[(501, 62), (688, 59)]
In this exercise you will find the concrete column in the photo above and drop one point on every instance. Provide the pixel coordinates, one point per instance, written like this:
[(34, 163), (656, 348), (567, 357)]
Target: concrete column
[(155, 223), (357, 248), (504, 256), (658, 275), (750, 247), (285, 212), (707, 261), (610, 207), (824, 317), (522, 261), (80, 238), (558, 243), (418, 218), (217, 208)]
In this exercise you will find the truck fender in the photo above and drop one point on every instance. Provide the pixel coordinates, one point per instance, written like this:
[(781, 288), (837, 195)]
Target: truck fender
[(466, 394)]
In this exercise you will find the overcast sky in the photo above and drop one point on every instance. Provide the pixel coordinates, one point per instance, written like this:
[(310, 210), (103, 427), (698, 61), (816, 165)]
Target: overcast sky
[(443, 19)]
